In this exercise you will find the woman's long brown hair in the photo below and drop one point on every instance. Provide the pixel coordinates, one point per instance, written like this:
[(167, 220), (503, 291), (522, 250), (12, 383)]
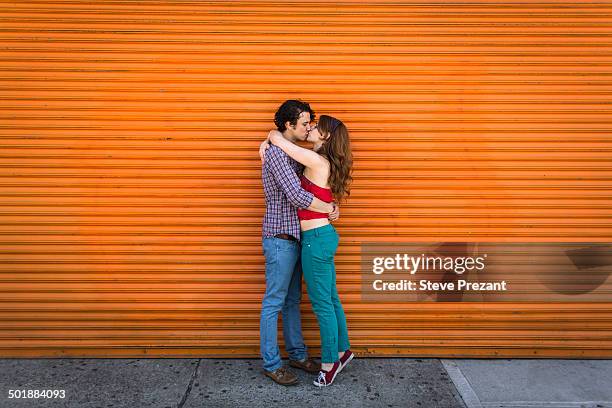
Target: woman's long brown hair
[(337, 150)]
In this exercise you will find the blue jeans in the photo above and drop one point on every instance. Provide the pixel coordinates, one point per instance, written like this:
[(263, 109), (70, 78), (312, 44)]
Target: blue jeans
[(283, 294)]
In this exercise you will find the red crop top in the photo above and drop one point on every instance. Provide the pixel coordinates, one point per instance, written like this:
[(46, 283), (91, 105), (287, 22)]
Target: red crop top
[(323, 194)]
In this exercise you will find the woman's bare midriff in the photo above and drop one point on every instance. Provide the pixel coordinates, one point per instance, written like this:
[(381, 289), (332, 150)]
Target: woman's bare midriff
[(311, 224)]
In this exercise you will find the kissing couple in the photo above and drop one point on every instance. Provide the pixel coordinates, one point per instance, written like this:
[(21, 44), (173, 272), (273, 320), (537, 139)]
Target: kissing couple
[(302, 188)]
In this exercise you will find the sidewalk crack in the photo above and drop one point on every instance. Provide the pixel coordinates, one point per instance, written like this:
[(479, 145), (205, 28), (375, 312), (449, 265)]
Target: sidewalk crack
[(188, 390)]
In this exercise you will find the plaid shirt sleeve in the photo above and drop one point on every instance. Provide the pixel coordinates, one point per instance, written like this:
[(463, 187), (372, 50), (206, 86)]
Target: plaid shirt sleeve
[(287, 179)]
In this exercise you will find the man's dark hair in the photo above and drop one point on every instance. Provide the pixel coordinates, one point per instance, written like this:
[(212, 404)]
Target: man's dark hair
[(290, 111)]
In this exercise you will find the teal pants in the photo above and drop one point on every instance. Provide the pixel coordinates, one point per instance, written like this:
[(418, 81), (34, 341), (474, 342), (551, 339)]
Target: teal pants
[(319, 247)]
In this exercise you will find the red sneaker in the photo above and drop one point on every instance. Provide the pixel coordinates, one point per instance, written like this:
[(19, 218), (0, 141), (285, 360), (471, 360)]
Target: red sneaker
[(327, 377), (346, 358)]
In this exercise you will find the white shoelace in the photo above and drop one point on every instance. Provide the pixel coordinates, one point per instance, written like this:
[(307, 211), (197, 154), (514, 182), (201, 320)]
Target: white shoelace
[(321, 379)]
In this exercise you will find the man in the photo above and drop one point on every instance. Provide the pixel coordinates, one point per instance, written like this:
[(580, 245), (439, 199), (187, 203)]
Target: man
[(281, 246)]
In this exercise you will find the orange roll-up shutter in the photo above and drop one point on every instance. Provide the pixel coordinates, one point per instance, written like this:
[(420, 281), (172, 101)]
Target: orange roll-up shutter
[(130, 191)]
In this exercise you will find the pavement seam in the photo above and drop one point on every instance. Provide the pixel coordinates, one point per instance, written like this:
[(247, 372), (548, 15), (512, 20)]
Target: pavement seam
[(188, 390), (549, 404), (470, 398)]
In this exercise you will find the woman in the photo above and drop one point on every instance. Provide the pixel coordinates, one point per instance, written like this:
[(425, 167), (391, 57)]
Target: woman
[(327, 175)]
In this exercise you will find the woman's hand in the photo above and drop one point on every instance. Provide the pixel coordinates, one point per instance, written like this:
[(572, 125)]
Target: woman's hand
[(262, 149), (274, 136)]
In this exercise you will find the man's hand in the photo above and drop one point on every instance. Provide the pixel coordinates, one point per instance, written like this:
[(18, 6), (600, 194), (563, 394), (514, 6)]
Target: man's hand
[(262, 149), (334, 215)]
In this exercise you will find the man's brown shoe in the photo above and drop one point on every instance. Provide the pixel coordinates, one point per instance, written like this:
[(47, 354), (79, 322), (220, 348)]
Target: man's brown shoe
[(282, 376), (308, 365)]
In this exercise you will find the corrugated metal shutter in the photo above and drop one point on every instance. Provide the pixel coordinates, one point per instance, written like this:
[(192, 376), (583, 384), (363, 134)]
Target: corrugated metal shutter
[(130, 190)]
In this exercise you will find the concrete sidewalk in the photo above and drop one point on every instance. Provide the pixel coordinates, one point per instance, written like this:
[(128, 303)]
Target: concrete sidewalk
[(366, 382), (493, 383)]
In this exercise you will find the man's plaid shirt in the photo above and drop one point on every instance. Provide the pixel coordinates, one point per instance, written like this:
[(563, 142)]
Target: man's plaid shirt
[(284, 193)]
